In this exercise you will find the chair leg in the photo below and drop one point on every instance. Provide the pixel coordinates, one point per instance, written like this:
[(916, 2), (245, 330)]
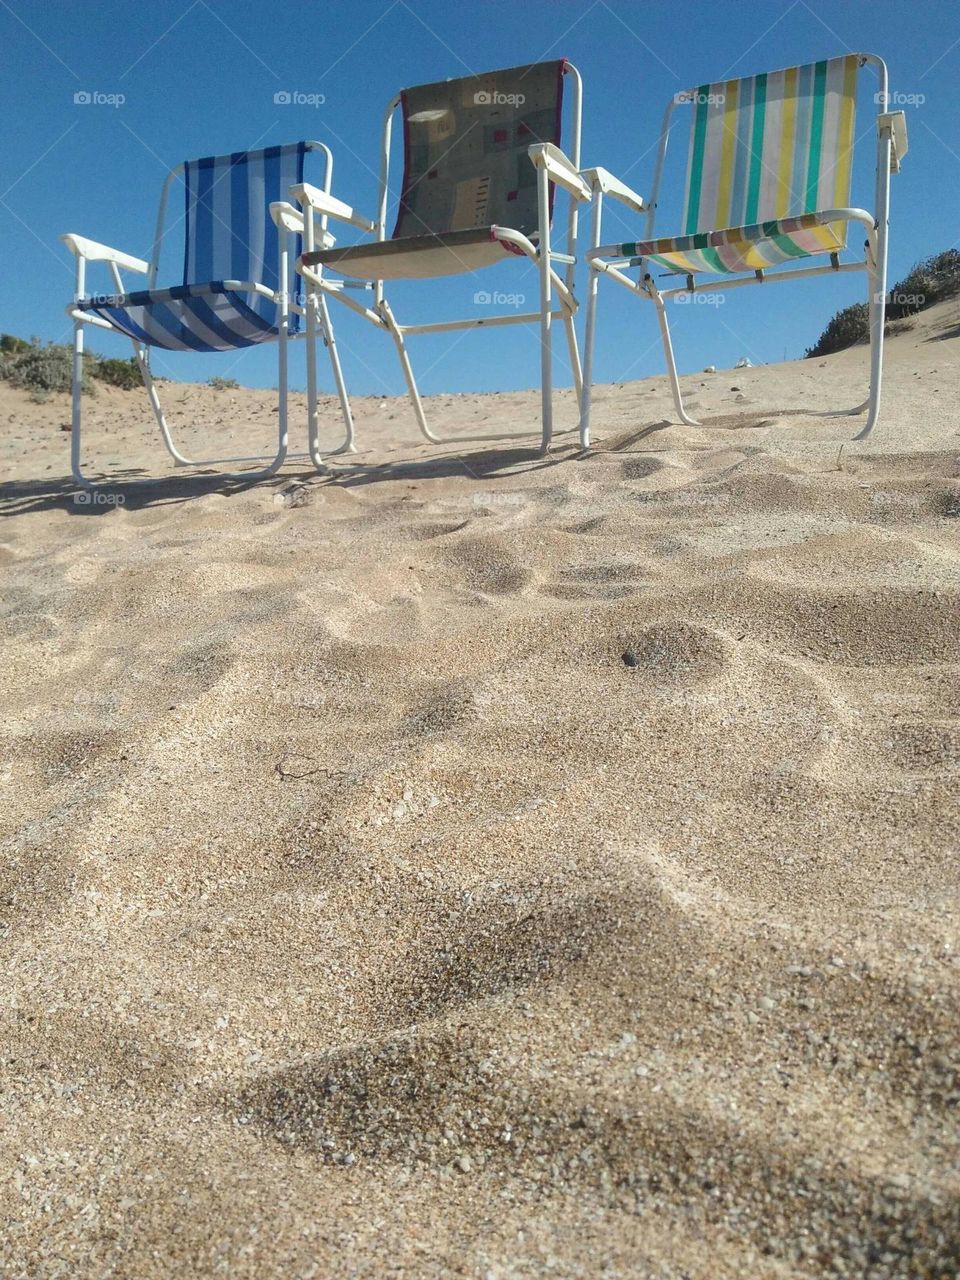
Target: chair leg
[(546, 317), (589, 339), (407, 368), (877, 317), (590, 332), (313, 444), (864, 404), (871, 289), (326, 326), (181, 459), (654, 293), (877, 249), (142, 358), (317, 311), (76, 407), (283, 382), (574, 351)]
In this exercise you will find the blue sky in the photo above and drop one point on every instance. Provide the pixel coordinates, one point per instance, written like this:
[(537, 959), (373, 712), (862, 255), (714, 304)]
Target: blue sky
[(198, 77)]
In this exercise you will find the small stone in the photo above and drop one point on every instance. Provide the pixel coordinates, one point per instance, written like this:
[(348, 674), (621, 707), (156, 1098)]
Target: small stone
[(630, 658), (464, 1164)]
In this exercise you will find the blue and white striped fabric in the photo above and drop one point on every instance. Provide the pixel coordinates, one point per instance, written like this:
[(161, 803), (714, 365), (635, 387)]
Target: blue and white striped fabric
[(230, 240), (230, 234), (193, 317)]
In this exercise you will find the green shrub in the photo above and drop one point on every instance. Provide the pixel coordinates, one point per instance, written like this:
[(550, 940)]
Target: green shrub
[(118, 373), (932, 280), (848, 327), (223, 384), (43, 368)]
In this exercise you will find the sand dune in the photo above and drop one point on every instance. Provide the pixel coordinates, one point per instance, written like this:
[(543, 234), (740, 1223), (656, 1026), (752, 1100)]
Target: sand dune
[(459, 864)]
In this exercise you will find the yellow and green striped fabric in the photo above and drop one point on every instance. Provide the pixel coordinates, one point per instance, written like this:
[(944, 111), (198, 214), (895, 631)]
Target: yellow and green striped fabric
[(765, 151)]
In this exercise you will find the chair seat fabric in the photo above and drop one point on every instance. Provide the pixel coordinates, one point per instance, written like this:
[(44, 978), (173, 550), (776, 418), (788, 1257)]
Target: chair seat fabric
[(216, 316), (752, 248), (415, 257)]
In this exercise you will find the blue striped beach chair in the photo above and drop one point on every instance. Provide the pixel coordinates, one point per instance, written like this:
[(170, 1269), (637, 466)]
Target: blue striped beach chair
[(240, 242), (482, 164), (769, 170)]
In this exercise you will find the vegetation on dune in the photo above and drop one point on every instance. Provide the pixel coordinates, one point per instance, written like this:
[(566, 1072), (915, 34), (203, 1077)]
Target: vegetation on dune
[(41, 369), (10, 344), (37, 368), (118, 373), (929, 281)]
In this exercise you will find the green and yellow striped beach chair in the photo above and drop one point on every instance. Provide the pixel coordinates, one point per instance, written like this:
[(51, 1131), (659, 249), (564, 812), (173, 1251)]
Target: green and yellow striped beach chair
[(769, 170)]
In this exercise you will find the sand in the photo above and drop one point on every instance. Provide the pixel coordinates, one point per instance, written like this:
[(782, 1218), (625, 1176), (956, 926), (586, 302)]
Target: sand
[(460, 864)]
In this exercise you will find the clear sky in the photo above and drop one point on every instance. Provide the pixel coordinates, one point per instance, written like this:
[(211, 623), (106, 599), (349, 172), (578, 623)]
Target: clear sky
[(199, 77)]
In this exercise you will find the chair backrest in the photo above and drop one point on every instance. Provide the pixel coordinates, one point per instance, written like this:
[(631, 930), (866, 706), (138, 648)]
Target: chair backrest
[(230, 234), (465, 149), (771, 146)]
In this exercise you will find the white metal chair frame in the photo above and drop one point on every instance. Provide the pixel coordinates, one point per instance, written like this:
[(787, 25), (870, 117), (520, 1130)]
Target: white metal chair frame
[(552, 166), (603, 259), (288, 220)]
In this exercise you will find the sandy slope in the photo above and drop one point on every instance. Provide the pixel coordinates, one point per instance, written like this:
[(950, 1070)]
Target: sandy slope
[(362, 913)]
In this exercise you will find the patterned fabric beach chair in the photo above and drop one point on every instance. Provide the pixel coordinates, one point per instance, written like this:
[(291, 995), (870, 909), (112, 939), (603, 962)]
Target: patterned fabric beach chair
[(239, 248), (768, 183), (482, 159)]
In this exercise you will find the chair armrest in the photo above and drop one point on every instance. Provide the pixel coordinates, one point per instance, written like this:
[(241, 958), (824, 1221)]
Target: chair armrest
[(94, 252), (286, 216), (603, 180), (560, 169), (612, 253), (894, 123), (289, 218), (325, 204)]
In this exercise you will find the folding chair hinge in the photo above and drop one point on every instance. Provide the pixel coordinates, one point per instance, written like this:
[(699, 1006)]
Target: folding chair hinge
[(835, 261), (759, 275), (691, 285)]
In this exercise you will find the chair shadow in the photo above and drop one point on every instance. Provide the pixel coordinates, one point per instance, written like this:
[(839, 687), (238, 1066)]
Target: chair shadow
[(131, 489), (952, 332), (621, 443), (478, 464), (136, 490)]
